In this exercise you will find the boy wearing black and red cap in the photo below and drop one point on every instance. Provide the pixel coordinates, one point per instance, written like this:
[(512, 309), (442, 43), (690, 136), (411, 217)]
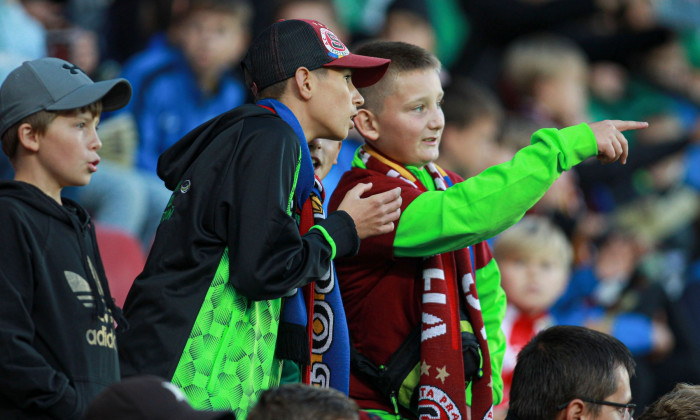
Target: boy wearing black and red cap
[(218, 305)]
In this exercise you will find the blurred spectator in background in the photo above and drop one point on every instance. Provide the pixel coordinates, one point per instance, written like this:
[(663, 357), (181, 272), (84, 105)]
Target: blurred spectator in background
[(535, 258), (304, 402), (605, 29), (64, 38), (318, 10), (186, 76), (199, 83), (569, 372), (545, 78), (473, 118), (682, 403), (22, 38)]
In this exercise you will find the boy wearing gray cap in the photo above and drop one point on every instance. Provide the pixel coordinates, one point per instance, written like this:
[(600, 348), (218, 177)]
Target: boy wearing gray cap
[(57, 340)]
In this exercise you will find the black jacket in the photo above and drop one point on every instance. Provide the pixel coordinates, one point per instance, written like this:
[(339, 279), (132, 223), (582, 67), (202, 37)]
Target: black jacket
[(57, 341), (233, 179)]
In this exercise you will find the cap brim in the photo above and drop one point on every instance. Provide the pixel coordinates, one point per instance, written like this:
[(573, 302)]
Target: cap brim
[(366, 70), (114, 94)]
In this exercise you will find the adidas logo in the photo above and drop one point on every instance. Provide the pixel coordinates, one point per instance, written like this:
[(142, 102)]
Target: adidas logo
[(101, 338), (81, 288)]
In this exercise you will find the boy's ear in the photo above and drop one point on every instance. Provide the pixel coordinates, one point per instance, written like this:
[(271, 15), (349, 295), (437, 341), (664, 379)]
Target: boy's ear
[(303, 82), (366, 124), (28, 137)]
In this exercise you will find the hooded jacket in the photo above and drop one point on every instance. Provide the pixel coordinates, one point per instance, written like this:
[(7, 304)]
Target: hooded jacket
[(231, 223), (57, 340)]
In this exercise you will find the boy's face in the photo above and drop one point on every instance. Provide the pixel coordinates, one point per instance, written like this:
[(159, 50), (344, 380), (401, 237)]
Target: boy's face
[(333, 109), (411, 120), (212, 41), (68, 149), (324, 154), (470, 149), (534, 282), (566, 96)]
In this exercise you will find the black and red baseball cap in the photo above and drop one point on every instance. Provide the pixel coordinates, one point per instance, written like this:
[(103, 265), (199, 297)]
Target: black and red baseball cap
[(147, 397), (283, 47)]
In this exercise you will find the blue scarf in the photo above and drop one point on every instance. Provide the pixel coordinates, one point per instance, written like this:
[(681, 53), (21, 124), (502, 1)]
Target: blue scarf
[(306, 167), (330, 363)]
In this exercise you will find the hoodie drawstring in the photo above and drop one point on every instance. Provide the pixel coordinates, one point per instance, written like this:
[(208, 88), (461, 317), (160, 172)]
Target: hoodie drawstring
[(122, 323)]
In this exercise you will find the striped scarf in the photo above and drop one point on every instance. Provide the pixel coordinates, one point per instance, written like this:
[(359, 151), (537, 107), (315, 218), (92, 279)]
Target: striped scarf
[(313, 331), (442, 383), (326, 326)]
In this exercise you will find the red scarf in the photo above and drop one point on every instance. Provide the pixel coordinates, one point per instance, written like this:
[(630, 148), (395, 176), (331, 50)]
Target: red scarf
[(306, 222), (442, 383)]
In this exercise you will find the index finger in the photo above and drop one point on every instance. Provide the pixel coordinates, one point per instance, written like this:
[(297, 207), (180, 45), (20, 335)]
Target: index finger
[(629, 125), (625, 148)]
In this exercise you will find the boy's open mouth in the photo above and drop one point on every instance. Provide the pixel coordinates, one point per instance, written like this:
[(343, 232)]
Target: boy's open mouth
[(316, 162), (93, 165)]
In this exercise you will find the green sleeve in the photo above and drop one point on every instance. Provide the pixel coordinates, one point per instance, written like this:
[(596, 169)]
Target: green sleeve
[(486, 204), (493, 309)]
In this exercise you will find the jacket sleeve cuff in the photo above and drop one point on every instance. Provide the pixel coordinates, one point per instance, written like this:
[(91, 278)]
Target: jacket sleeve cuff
[(339, 230), (579, 143)]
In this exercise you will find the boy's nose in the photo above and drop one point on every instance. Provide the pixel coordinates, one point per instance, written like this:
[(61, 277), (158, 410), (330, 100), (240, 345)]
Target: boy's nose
[(357, 99), (437, 122), (96, 143), (314, 144)]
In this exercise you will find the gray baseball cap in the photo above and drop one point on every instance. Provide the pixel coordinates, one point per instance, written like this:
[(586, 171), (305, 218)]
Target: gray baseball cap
[(52, 84)]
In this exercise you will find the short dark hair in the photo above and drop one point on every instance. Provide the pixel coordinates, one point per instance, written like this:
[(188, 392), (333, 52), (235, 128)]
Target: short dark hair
[(242, 9), (682, 403), (466, 101), (404, 58), (277, 90), (303, 402), (40, 123), (562, 363)]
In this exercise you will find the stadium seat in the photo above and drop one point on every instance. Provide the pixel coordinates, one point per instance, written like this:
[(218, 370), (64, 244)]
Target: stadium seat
[(123, 259)]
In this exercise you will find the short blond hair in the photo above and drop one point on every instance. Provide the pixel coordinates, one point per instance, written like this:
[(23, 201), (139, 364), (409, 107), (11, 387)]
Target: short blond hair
[(534, 236), (405, 58), (539, 57)]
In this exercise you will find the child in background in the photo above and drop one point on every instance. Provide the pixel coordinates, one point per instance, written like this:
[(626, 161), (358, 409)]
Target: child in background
[(324, 154), (535, 259), (413, 290), (178, 85), (57, 316), (545, 78), (199, 85), (473, 117)]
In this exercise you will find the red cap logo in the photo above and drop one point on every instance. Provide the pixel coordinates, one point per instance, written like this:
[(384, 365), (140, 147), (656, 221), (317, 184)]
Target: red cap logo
[(335, 46)]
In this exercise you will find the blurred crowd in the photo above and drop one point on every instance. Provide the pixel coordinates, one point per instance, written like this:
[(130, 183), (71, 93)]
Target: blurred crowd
[(615, 248)]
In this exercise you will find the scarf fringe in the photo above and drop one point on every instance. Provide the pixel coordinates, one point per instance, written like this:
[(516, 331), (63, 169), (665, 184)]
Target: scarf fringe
[(293, 343)]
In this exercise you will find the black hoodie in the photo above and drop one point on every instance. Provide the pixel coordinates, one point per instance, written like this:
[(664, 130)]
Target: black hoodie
[(233, 177), (57, 340)]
